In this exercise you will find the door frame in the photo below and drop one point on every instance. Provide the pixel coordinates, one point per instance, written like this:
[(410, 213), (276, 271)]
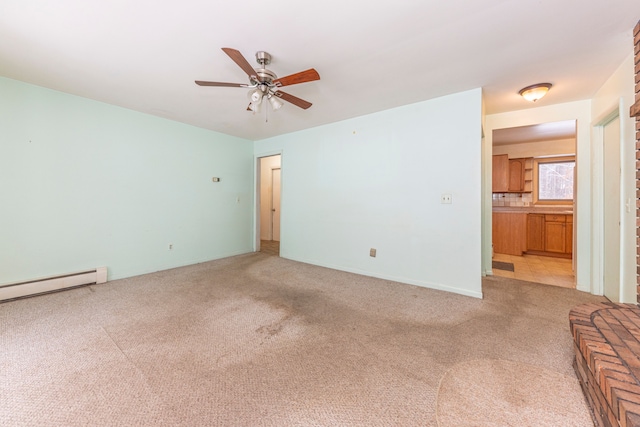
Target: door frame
[(581, 112), (598, 195), (256, 194), (279, 203)]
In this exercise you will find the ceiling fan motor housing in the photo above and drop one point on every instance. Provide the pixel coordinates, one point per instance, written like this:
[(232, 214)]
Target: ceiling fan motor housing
[(265, 76)]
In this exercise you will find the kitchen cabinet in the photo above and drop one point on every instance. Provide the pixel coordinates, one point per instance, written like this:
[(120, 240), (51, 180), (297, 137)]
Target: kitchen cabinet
[(528, 175), (516, 175), (509, 233), (535, 232), (512, 175), (500, 173), (554, 233), (550, 234), (568, 231)]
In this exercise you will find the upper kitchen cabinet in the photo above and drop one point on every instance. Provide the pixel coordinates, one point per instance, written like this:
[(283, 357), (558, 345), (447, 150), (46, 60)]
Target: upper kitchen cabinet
[(512, 175), (528, 174), (501, 173), (516, 175)]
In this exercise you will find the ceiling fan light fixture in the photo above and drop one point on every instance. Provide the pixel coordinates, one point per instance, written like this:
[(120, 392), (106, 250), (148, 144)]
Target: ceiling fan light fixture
[(534, 92), (256, 107), (255, 96), (275, 102)]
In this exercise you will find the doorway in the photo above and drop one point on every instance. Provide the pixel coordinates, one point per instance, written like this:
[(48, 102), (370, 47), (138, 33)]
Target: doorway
[(269, 204), (533, 202)]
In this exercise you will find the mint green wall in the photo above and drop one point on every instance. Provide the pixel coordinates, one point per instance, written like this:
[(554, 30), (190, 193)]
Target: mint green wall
[(85, 184), (375, 181)]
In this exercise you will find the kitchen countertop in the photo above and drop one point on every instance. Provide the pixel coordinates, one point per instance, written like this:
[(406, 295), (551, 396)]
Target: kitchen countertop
[(560, 210)]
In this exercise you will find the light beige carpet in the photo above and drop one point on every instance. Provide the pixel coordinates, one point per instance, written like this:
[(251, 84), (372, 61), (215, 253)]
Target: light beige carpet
[(257, 340), (487, 393)]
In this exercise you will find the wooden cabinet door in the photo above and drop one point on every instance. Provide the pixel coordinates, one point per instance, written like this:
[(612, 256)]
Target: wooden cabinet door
[(500, 173), (554, 237), (509, 233), (535, 232), (516, 175), (568, 231)]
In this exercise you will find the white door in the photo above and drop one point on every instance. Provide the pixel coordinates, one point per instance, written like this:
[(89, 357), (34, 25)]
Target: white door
[(275, 203), (611, 214)]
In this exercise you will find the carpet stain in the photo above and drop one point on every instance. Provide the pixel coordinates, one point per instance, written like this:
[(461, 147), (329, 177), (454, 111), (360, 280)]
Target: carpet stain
[(259, 340), (490, 392)]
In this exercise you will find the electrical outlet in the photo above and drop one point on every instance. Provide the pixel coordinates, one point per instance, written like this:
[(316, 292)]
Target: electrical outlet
[(445, 199), (372, 252), (170, 246)]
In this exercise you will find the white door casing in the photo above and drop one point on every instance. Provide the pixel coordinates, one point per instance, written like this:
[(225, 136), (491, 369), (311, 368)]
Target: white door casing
[(275, 204), (611, 210)]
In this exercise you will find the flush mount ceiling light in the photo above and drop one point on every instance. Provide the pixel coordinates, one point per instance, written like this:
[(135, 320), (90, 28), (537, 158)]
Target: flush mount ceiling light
[(534, 92)]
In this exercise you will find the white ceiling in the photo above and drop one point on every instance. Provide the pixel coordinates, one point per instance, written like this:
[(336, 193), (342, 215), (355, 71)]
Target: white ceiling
[(371, 56), (551, 131)]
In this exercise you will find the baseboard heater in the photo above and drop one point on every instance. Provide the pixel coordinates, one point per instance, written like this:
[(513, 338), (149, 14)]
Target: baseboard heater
[(52, 284)]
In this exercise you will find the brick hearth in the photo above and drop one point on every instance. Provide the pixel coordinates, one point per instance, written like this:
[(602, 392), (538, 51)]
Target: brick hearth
[(607, 347)]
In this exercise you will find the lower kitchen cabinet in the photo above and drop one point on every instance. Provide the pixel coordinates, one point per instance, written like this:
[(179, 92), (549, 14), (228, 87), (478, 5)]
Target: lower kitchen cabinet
[(554, 234), (569, 235), (550, 234), (535, 232), (515, 233), (509, 233)]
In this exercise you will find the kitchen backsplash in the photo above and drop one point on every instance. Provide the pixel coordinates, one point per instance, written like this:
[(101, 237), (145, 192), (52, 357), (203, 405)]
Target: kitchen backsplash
[(512, 199)]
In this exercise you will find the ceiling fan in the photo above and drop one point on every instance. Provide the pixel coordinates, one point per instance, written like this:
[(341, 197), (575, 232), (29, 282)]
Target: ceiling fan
[(264, 83)]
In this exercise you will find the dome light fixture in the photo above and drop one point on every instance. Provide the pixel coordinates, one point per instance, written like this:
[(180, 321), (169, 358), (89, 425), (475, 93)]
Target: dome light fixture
[(534, 92)]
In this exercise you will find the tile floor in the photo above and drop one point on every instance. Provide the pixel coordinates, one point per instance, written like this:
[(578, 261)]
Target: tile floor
[(539, 269)]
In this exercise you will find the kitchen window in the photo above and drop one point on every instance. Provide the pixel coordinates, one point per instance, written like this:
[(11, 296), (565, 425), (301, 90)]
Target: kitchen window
[(554, 180)]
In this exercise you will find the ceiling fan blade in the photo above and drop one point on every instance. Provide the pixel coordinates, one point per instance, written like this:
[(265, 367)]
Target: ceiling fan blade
[(201, 83), (293, 99), (302, 77), (241, 61)]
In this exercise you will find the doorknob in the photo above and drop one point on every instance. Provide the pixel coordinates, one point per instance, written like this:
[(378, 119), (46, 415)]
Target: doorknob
[(273, 210)]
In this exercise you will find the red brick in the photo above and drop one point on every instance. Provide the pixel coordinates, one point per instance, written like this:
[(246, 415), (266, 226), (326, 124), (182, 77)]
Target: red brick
[(611, 390)]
